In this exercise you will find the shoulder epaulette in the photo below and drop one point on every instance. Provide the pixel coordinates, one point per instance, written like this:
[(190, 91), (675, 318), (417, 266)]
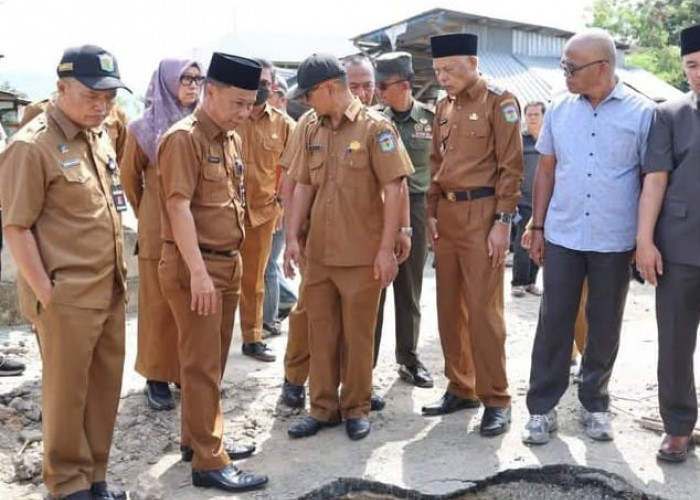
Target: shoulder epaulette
[(496, 89)]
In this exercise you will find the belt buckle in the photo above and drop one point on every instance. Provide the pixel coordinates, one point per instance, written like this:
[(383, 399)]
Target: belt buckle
[(451, 196)]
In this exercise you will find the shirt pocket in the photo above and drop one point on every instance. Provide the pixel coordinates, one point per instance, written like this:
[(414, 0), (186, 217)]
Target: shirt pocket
[(83, 191), (618, 146), (354, 169), (215, 183), (273, 145), (316, 169)]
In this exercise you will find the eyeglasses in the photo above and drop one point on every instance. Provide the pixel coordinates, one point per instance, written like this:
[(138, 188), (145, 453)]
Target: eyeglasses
[(570, 69), (188, 80), (385, 85), (366, 86)]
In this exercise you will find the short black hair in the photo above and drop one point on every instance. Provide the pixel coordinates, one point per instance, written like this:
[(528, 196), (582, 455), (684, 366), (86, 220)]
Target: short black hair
[(532, 104)]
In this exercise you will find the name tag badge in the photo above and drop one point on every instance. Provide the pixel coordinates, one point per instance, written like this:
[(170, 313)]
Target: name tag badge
[(73, 162), (214, 159), (118, 197), (313, 147)]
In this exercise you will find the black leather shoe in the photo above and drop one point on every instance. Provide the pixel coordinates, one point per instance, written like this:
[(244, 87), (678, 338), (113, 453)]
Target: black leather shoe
[(449, 403), (357, 428), (235, 451), (271, 330), (416, 375), (100, 491), (308, 427), (78, 495), (228, 478), (495, 421), (376, 402), (293, 396), (259, 351), (158, 395)]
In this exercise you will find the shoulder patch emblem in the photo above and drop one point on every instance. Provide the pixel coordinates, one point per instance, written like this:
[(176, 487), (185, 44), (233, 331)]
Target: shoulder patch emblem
[(510, 112), (386, 141)]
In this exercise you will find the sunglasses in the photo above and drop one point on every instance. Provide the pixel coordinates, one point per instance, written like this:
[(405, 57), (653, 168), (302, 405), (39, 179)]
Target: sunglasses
[(385, 85), (570, 69), (188, 80)]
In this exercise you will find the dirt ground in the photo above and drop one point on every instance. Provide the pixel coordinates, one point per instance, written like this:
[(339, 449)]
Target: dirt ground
[(430, 455)]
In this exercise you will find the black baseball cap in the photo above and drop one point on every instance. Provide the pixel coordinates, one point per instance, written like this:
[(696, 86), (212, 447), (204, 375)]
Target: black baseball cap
[(92, 66), (315, 69)]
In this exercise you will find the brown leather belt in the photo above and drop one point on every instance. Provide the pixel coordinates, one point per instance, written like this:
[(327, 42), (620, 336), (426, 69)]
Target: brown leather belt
[(471, 194), (222, 253)]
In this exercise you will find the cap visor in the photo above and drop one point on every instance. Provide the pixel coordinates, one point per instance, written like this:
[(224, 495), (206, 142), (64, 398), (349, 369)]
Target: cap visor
[(295, 92), (102, 82)]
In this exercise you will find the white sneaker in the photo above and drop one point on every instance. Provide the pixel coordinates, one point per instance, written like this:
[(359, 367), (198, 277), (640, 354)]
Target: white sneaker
[(533, 290), (597, 425), (517, 291), (539, 428)]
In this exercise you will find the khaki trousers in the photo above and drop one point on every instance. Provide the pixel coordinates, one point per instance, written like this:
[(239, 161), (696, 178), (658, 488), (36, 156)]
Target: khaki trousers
[(203, 343), (255, 253), (470, 303), (82, 364), (296, 356), (156, 356), (341, 304)]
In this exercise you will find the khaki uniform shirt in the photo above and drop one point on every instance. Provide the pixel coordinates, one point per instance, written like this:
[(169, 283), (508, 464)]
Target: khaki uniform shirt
[(416, 133), (477, 143), (296, 145), (263, 139), (56, 179), (115, 123), (140, 181), (200, 161), (348, 166)]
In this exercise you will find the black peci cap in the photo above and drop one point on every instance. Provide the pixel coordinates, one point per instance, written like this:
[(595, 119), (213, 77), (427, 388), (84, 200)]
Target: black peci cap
[(393, 63), (690, 40), (236, 71), (455, 44), (315, 69), (92, 66)]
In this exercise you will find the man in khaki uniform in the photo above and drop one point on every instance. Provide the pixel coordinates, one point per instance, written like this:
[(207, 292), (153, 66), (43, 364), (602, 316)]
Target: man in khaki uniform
[(296, 356), (476, 170), (264, 135), (200, 175), (114, 123), (61, 198), (352, 181)]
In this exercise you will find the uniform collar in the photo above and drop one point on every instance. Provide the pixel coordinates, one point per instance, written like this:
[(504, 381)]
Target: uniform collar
[(211, 130), (473, 90), (414, 115), (267, 110), (351, 112), (69, 128)]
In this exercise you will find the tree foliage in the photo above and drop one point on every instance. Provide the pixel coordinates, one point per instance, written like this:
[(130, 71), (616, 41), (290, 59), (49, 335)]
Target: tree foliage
[(652, 30)]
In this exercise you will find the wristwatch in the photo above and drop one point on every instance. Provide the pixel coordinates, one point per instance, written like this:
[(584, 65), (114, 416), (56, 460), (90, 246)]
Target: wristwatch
[(408, 231), (504, 218)]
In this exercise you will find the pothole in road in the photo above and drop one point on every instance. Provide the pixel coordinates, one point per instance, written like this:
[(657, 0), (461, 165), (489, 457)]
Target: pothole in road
[(552, 482)]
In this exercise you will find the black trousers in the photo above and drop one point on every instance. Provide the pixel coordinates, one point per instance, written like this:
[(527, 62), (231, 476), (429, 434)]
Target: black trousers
[(677, 318), (608, 283), (408, 286), (524, 268)]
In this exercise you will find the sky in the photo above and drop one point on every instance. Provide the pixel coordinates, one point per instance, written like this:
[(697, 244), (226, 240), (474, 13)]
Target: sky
[(141, 32)]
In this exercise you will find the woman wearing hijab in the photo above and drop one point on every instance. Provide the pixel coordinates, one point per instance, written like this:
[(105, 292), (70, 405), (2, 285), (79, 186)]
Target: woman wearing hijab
[(172, 94)]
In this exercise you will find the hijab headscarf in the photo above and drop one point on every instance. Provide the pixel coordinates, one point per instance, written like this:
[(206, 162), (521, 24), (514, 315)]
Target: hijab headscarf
[(163, 107)]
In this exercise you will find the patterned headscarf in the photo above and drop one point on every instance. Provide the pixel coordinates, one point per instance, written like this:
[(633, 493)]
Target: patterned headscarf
[(163, 108)]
